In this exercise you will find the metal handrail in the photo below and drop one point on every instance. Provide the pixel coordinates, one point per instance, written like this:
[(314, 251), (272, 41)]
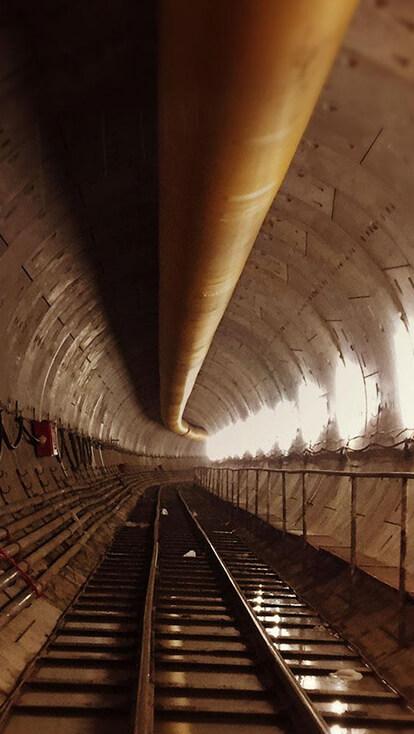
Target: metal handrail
[(210, 478), (311, 720), (143, 716), (333, 472)]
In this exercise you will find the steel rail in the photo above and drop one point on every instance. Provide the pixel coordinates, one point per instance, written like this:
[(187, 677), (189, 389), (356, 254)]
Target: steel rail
[(310, 719), (143, 715)]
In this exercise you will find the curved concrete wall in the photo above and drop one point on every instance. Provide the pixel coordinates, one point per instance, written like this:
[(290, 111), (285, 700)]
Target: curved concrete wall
[(330, 276), (78, 220), (330, 279)]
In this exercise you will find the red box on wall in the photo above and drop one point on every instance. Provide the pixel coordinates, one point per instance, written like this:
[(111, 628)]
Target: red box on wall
[(46, 433)]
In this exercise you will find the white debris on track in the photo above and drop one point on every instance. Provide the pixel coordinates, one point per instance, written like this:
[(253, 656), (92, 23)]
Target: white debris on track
[(346, 674)]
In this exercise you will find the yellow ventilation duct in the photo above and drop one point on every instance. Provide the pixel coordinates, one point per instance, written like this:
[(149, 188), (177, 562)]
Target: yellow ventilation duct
[(238, 80)]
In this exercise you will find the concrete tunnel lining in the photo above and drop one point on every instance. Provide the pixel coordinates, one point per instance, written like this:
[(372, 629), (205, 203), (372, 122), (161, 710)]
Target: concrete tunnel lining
[(329, 280), (343, 212)]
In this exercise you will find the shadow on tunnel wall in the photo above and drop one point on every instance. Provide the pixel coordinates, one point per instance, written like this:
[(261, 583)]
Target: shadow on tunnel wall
[(94, 88)]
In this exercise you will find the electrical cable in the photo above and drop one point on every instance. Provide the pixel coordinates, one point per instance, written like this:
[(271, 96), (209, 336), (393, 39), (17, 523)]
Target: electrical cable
[(63, 449), (11, 445)]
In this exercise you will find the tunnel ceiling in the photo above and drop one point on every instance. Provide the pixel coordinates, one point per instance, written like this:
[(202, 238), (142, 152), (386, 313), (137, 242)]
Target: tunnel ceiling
[(330, 276), (330, 273)]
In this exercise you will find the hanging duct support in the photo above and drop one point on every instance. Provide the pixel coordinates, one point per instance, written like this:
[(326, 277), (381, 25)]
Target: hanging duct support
[(238, 80)]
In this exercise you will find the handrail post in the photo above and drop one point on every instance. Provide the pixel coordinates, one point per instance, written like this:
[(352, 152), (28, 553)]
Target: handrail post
[(247, 491), (227, 485), (403, 559), (256, 499), (284, 513), (238, 488), (268, 497), (304, 504), (353, 527)]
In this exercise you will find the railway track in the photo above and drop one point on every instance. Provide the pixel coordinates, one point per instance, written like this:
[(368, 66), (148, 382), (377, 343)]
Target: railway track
[(205, 674), (183, 630), (341, 686)]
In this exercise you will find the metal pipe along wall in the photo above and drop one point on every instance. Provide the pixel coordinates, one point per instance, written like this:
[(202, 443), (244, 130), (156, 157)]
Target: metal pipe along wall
[(238, 81)]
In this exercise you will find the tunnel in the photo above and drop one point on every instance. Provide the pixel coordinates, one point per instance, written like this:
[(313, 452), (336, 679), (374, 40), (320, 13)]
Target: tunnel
[(206, 366)]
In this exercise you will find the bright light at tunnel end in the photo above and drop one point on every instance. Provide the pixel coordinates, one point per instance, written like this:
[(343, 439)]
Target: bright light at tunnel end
[(276, 428), (273, 428), (404, 367)]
